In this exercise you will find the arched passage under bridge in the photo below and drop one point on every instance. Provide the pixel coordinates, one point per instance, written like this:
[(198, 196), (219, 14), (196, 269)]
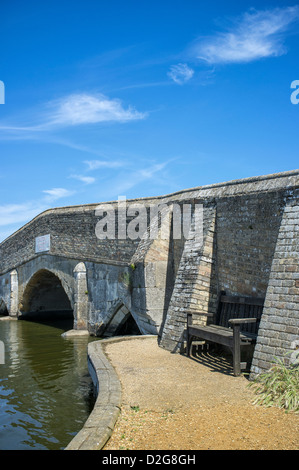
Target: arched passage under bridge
[(45, 297)]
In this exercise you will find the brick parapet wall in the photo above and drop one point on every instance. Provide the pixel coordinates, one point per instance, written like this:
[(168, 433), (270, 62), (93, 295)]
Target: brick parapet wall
[(73, 235), (72, 228)]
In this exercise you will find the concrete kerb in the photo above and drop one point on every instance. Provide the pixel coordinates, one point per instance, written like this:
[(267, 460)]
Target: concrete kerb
[(100, 424)]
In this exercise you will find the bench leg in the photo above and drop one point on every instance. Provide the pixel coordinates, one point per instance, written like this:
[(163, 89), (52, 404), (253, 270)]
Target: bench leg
[(189, 337), (189, 344), (236, 350)]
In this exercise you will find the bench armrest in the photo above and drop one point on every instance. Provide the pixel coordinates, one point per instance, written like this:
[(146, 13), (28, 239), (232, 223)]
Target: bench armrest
[(201, 314), (190, 314), (239, 321)]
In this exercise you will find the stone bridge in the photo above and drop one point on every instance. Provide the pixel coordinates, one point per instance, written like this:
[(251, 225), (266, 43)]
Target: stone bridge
[(57, 264)]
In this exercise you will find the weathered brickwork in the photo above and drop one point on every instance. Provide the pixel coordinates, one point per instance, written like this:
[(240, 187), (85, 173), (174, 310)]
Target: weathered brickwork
[(279, 327), (73, 235), (236, 257), (247, 230), (249, 247), (194, 289)]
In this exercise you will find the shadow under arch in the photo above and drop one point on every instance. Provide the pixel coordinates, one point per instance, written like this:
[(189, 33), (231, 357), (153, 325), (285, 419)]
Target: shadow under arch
[(120, 322), (45, 297), (3, 307)]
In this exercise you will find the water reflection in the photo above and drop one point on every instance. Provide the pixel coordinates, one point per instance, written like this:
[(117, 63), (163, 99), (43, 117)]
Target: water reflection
[(46, 392)]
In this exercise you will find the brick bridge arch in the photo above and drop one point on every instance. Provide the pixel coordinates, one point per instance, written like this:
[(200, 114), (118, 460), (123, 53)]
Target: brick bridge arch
[(45, 292), (48, 284)]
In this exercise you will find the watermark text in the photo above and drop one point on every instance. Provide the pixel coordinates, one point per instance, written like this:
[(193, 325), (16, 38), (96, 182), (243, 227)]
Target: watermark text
[(136, 221), (2, 353), (295, 94), (2, 92), (294, 358)]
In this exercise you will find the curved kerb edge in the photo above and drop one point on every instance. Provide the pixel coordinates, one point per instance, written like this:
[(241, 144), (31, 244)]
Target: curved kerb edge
[(100, 424)]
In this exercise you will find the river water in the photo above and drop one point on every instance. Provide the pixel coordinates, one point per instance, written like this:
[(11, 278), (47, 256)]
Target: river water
[(46, 393)]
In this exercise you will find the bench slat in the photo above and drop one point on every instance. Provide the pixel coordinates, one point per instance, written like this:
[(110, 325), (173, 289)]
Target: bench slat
[(219, 334), (241, 300)]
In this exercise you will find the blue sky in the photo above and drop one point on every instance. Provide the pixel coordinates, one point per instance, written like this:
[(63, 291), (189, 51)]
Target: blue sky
[(141, 98)]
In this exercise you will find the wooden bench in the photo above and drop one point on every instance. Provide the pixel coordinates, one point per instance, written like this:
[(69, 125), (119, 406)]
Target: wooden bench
[(236, 326)]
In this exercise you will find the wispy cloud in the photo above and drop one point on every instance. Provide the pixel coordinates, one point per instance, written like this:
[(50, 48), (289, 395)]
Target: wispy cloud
[(254, 35), (74, 110), (57, 193), (83, 178), (96, 164), (129, 178), (150, 172), (180, 73), (86, 108)]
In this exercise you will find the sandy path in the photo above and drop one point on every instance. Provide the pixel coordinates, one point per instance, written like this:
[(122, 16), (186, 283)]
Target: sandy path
[(173, 402)]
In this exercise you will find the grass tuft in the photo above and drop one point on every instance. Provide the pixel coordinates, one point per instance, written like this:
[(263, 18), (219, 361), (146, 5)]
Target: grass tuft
[(278, 387)]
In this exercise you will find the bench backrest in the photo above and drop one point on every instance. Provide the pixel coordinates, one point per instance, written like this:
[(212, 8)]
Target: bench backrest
[(231, 306)]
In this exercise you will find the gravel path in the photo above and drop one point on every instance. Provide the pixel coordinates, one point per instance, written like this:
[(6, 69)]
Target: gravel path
[(171, 402)]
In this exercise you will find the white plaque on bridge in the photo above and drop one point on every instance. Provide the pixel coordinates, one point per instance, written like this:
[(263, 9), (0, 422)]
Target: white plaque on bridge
[(42, 244)]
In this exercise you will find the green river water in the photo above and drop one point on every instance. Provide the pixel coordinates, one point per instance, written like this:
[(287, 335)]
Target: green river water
[(46, 393)]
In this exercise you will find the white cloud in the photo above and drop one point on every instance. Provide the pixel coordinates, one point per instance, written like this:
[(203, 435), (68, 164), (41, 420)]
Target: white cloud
[(128, 180), (148, 173), (86, 108), (96, 164), (72, 110), (57, 193), (255, 35), (84, 179), (180, 73)]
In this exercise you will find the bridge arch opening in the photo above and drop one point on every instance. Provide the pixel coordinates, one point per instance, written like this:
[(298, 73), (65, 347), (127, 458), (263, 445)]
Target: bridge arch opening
[(3, 307), (45, 297), (122, 323)]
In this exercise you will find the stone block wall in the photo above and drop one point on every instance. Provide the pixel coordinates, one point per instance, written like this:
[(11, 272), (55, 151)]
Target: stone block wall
[(279, 327), (246, 234), (194, 288), (240, 235)]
